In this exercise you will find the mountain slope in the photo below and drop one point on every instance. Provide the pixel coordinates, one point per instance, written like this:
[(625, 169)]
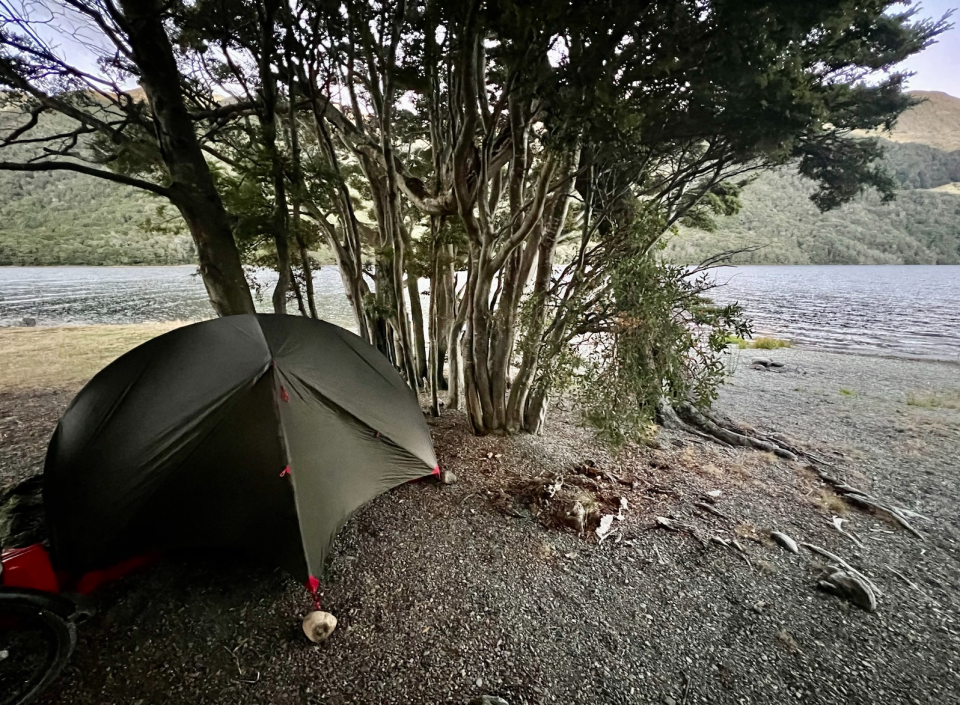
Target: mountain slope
[(935, 122), (61, 217), (921, 227)]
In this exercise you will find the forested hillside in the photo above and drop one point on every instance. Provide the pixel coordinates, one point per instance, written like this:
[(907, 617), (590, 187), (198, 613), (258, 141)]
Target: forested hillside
[(51, 218), (922, 226), (61, 217)]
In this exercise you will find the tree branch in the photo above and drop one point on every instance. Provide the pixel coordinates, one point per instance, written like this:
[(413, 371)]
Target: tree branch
[(89, 171)]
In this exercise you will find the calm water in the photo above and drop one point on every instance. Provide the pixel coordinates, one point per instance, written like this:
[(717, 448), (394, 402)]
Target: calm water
[(890, 310), (904, 310)]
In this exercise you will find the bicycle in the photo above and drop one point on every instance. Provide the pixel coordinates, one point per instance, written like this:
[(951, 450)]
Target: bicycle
[(37, 637)]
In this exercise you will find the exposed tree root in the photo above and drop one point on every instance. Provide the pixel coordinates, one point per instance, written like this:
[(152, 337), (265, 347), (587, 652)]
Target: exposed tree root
[(725, 431)]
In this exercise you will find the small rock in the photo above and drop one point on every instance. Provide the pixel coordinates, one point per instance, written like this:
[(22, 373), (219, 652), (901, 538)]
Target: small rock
[(28, 321), (851, 587), (448, 478), (785, 541), (318, 626), (761, 361), (667, 700), (488, 700)]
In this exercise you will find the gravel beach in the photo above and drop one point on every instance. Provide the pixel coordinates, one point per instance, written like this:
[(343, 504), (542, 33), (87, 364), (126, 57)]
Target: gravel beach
[(447, 593)]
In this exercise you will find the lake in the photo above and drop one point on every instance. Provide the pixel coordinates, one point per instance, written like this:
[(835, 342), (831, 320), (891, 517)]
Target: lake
[(911, 311)]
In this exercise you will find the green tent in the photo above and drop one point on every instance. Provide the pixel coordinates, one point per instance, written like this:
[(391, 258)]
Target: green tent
[(259, 432)]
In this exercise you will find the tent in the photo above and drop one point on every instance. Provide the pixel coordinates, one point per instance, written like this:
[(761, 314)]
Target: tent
[(258, 432)]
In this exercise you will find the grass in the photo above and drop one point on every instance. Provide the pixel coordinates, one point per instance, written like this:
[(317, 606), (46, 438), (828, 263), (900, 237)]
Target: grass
[(761, 343), (846, 392), (935, 400), (46, 358)]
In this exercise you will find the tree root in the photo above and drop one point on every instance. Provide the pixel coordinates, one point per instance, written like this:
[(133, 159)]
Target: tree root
[(864, 500), (702, 423), (842, 563)]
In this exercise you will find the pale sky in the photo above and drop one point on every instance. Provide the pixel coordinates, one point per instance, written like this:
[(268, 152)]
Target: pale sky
[(936, 69)]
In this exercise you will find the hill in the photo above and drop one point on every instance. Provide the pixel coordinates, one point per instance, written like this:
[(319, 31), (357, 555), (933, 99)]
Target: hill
[(60, 217), (921, 227), (935, 122)]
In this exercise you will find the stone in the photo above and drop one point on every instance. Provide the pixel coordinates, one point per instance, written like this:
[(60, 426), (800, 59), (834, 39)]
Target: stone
[(448, 478), (28, 321), (488, 700), (761, 361), (318, 626)]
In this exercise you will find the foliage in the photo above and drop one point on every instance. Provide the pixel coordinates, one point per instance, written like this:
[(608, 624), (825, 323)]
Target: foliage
[(667, 344)]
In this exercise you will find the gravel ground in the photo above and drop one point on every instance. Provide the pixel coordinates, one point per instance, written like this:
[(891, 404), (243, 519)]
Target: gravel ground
[(442, 596)]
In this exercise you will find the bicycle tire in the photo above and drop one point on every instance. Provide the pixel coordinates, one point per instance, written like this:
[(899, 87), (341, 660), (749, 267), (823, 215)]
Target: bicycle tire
[(60, 636)]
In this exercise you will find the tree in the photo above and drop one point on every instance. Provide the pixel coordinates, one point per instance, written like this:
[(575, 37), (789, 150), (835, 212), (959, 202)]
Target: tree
[(508, 128), (150, 144)]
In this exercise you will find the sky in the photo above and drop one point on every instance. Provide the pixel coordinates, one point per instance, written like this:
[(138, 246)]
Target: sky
[(936, 69)]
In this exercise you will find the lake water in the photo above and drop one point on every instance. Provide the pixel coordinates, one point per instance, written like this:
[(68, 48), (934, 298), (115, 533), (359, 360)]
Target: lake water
[(901, 310), (911, 311)]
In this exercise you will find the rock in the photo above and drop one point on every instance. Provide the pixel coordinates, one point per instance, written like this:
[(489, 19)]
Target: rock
[(488, 700), (761, 361), (852, 587), (667, 700), (319, 625), (28, 322), (785, 541), (448, 478)]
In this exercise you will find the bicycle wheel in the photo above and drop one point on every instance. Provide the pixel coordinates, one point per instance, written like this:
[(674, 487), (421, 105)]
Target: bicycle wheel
[(35, 645)]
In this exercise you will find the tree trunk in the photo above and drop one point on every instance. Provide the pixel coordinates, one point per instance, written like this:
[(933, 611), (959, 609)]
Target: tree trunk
[(192, 189)]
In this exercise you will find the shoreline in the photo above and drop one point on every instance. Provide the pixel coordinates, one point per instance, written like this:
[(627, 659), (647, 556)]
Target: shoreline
[(6, 329)]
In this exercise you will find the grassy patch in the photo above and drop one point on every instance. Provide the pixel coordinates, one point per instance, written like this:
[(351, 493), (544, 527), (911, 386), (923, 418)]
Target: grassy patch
[(37, 358), (765, 343), (935, 400), (846, 392), (762, 343)]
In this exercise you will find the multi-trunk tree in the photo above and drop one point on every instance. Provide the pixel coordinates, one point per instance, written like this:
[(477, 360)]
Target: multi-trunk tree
[(524, 158)]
